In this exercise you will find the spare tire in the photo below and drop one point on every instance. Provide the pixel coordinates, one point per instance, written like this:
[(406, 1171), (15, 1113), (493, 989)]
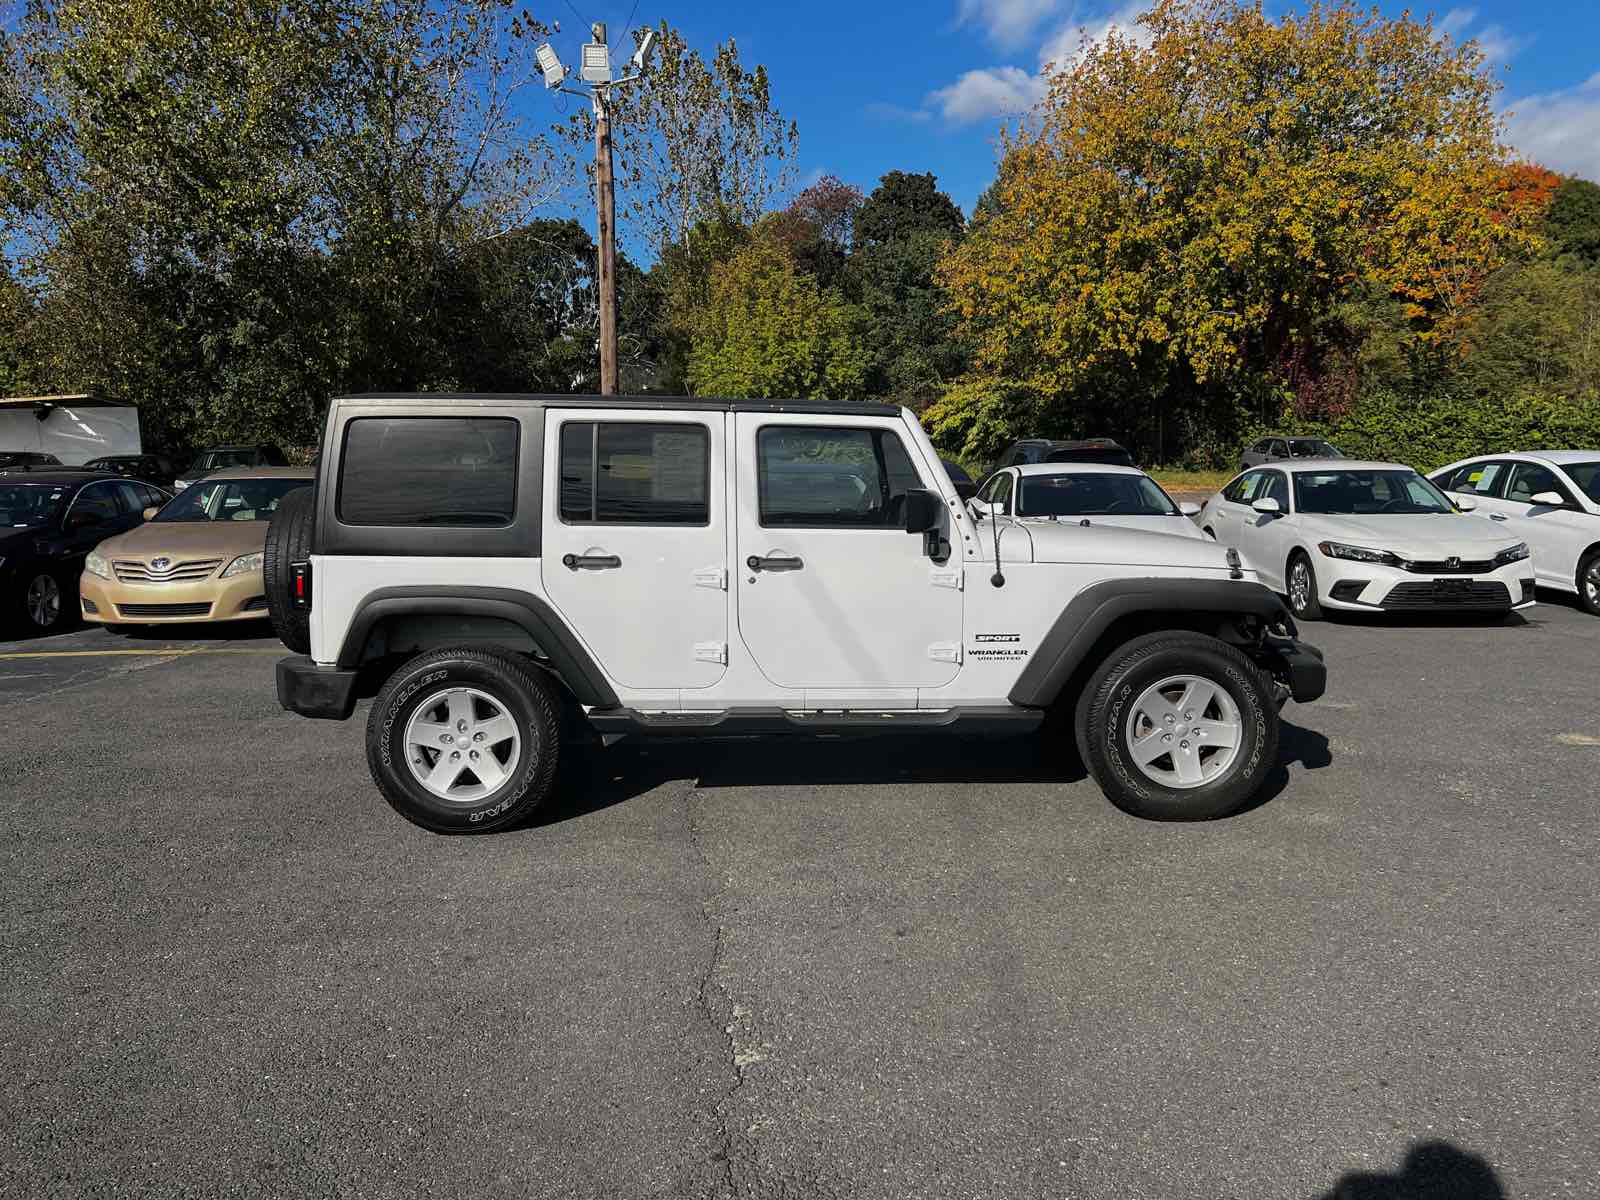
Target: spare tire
[(288, 541)]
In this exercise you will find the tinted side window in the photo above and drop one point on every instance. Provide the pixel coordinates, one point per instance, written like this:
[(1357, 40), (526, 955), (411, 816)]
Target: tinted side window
[(1530, 479), (635, 473), (429, 471), (1278, 489), (1243, 489), (1482, 479), (132, 497), (97, 499), (826, 477), (1002, 493)]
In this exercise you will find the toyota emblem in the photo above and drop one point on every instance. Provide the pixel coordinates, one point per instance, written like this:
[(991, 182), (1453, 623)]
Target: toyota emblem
[(160, 564)]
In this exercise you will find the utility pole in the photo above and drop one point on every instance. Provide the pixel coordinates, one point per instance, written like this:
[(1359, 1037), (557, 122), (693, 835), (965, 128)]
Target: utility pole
[(596, 72)]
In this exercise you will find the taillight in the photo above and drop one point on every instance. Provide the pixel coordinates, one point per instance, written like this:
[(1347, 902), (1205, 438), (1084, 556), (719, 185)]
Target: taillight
[(300, 585)]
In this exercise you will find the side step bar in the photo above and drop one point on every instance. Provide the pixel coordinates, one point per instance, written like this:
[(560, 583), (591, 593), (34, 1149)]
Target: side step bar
[(1001, 719)]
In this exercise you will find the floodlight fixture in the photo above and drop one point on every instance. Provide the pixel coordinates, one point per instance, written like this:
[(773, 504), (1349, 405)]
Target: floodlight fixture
[(550, 64), (641, 56), (596, 66)]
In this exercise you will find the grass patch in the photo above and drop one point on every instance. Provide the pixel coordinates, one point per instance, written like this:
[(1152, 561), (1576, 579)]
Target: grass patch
[(1177, 479)]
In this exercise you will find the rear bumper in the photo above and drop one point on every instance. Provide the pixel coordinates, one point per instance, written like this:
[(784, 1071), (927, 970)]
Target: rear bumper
[(1298, 667), (326, 693)]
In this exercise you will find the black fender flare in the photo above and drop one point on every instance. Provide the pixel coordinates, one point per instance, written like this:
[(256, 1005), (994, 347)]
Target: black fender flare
[(1092, 611), (532, 613)]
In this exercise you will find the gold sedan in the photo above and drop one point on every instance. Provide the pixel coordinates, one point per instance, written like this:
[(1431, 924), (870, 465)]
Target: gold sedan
[(197, 558)]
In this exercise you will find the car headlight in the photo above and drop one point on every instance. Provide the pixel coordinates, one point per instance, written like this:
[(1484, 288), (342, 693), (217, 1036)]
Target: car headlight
[(95, 564), (1358, 553), (243, 564), (1511, 554)]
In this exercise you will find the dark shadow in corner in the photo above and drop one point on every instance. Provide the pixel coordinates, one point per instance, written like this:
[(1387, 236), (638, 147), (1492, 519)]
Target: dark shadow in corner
[(1431, 1171)]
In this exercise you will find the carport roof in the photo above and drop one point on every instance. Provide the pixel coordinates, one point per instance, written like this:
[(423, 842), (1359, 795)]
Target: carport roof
[(77, 399)]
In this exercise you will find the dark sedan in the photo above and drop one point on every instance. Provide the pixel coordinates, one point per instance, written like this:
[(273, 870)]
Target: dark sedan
[(152, 468), (49, 521)]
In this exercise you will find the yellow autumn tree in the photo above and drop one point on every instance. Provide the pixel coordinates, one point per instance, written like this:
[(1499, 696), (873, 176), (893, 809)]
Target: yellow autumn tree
[(1183, 208)]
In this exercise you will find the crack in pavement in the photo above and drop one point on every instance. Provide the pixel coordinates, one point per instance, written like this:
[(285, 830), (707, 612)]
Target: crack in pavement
[(722, 1014)]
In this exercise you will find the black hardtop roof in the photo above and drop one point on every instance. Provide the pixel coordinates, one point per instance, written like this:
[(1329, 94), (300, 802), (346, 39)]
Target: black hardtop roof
[(861, 408), (55, 476)]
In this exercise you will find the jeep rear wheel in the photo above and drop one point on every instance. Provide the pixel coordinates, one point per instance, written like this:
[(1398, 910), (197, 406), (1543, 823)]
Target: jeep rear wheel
[(1178, 727), (288, 542), (464, 741)]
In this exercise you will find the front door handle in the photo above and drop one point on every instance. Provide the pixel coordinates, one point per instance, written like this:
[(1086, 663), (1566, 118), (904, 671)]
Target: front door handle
[(590, 562), (1497, 516), (776, 562)]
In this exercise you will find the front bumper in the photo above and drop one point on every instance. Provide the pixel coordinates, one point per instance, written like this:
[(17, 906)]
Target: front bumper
[(1372, 587), (1297, 668), (111, 602), (325, 693)]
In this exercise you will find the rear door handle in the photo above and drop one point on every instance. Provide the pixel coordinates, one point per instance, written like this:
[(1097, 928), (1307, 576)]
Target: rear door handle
[(590, 562), (776, 562)]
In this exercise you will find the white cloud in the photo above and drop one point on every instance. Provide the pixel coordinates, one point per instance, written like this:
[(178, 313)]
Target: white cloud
[(1560, 130), (1499, 44), (1007, 22), (897, 113), (991, 92), (1457, 21), (1063, 46)]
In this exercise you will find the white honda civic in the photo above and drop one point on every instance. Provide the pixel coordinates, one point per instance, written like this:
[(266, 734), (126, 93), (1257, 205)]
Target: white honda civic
[(1084, 494), (1367, 537)]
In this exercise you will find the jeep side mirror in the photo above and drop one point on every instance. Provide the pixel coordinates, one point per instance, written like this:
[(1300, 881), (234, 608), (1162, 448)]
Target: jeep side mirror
[(1464, 503), (1267, 506), (922, 510), (1548, 500)]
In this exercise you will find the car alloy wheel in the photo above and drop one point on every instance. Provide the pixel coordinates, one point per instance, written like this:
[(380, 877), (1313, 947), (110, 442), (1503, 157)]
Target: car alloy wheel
[(1591, 583), (1300, 585), (43, 601), (462, 744), (1184, 732)]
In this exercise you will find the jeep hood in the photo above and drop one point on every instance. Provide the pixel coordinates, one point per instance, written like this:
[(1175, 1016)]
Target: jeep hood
[(1106, 545)]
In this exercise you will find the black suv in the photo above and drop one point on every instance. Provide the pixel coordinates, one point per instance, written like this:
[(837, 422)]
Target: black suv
[(1084, 450)]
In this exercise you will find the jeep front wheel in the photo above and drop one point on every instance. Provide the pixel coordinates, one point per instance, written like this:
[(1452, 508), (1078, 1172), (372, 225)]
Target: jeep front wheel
[(1178, 727), (464, 741)]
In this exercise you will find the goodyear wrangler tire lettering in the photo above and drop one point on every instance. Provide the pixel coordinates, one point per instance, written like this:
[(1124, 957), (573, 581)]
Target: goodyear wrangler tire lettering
[(522, 693), (1128, 675)]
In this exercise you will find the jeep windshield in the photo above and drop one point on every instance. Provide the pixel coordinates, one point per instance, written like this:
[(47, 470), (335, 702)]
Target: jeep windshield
[(1092, 494), (29, 505), (1367, 493), (229, 500)]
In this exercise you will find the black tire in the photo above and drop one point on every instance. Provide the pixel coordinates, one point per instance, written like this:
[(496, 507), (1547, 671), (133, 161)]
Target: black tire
[(1589, 582), (288, 541), (1311, 610), (522, 692), (45, 603), (1106, 715)]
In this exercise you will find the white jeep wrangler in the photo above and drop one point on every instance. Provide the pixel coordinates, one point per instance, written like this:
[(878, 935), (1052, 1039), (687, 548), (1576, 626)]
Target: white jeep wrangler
[(499, 569)]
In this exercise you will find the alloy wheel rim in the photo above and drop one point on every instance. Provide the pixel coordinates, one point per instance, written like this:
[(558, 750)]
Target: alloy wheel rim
[(1184, 732), (44, 601), (462, 744), (1300, 586), (1591, 583)]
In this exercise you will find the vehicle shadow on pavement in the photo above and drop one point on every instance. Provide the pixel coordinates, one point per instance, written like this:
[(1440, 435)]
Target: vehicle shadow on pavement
[(210, 631), (590, 780), (1431, 1171)]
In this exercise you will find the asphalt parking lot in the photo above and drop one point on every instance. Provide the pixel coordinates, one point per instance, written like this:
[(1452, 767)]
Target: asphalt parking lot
[(874, 969)]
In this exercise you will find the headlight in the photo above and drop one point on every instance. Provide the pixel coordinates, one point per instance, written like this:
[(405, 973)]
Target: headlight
[(1511, 554), (1358, 553), (242, 564), (96, 565)]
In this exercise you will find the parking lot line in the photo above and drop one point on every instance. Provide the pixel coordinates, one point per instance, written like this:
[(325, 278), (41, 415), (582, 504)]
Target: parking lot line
[(172, 652)]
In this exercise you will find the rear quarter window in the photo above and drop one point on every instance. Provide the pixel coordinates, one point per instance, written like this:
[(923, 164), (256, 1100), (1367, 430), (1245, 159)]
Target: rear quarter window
[(429, 471)]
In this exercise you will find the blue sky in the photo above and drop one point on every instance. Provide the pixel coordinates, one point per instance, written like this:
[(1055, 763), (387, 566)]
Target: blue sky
[(926, 86)]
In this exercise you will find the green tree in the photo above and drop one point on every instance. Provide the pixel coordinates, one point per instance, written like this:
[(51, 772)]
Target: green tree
[(1573, 222), (767, 330), (1186, 211), (903, 205)]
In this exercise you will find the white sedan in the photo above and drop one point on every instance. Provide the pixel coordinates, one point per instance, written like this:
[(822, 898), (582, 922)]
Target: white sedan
[(1084, 494), (1547, 498), (1367, 536)]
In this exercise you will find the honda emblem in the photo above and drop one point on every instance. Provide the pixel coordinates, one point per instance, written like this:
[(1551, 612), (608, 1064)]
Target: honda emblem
[(1453, 563)]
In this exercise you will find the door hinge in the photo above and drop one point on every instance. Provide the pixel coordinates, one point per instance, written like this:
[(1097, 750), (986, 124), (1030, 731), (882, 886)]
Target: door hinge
[(715, 578), (949, 652), (711, 652), (955, 578)]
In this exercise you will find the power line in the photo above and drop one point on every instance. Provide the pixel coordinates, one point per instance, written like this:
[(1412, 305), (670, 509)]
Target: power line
[(629, 25)]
